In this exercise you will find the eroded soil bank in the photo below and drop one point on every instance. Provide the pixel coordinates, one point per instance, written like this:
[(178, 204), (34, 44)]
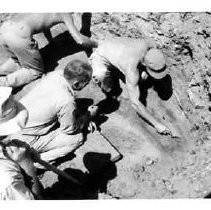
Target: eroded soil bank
[(153, 166)]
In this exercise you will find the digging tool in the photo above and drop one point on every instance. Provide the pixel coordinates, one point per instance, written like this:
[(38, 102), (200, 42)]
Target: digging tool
[(51, 168), (119, 156), (69, 177), (57, 171)]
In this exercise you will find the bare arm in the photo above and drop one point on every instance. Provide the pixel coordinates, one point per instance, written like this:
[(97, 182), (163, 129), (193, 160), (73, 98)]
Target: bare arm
[(77, 36), (28, 166), (72, 120), (22, 155), (48, 35), (150, 43), (85, 120), (134, 93)]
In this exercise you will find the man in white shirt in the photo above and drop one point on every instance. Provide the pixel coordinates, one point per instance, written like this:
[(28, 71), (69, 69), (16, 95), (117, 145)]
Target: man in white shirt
[(52, 101)]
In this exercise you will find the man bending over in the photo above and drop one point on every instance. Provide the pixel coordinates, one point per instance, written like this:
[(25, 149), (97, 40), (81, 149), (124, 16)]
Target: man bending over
[(16, 36), (127, 54)]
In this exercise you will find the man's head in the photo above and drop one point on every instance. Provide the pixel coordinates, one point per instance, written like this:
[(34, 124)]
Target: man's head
[(155, 63), (13, 115), (78, 73)]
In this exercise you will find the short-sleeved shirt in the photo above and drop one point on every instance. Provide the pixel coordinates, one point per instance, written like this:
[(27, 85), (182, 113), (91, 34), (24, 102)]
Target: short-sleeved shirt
[(50, 101)]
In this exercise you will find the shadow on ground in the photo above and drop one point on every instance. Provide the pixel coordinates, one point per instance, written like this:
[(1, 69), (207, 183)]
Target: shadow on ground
[(208, 196), (64, 45), (99, 171)]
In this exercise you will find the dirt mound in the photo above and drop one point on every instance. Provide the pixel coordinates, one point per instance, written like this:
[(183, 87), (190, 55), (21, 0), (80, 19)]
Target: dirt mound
[(154, 166)]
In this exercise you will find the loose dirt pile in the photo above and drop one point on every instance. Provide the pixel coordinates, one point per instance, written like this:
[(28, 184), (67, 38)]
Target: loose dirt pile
[(153, 166)]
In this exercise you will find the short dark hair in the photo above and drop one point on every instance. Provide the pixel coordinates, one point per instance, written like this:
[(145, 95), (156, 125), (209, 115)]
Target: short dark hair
[(78, 69)]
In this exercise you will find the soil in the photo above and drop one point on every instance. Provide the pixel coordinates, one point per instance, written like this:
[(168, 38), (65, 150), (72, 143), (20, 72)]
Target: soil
[(153, 166)]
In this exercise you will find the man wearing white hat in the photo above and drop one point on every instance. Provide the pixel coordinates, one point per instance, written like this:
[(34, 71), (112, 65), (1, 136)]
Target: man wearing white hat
[(15, 157), (127, 54)]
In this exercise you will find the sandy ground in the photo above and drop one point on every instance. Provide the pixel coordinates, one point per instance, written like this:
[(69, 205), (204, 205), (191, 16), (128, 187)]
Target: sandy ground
[(153, 166)]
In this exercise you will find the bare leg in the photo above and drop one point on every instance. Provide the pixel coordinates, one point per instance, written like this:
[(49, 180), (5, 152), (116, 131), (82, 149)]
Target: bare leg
[(9, 66), (19, 78), (77, 18), (62, 145)]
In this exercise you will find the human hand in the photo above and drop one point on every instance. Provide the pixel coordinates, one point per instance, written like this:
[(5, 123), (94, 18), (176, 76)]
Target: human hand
[(17, 151), (87, 42), (92, 126), (93, 110), (162, 129), (144, 75), (23, 155)]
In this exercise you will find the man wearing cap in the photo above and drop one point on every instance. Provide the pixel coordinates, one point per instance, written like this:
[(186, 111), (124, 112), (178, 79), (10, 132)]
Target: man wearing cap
[(25, 63), (15, 158), (52, 102), (127, 54)]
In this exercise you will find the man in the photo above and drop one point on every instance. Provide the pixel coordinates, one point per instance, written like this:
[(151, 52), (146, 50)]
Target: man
[(127, 54), (15, 158), (16, 36), (52, 101)]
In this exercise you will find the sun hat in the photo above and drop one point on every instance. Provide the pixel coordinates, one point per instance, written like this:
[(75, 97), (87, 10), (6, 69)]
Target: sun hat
[(155, 63), (13, 115)]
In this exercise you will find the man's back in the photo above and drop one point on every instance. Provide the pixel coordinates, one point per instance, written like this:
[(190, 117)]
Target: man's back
[(37, 22), (44, 102), (123, 52)]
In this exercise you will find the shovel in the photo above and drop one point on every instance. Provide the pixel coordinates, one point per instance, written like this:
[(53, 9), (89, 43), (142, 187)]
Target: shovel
[(57, 171)]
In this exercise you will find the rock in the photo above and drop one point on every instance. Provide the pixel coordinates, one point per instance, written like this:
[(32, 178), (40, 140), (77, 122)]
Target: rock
[(197, 188), (149, 161), (169, 186), (195, 96), (103, 196), (192, 152), (208, 167)]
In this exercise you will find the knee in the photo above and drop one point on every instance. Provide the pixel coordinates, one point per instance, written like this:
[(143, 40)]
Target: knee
[(33, 74), (69, 141), (37, 74), (78, 140)]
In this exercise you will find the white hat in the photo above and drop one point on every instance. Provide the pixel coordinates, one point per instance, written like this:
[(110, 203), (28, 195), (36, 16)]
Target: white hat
[(13, 115), (155, 63)]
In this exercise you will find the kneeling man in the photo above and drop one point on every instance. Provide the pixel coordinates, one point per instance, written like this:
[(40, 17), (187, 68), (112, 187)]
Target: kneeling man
[(52, 102)]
